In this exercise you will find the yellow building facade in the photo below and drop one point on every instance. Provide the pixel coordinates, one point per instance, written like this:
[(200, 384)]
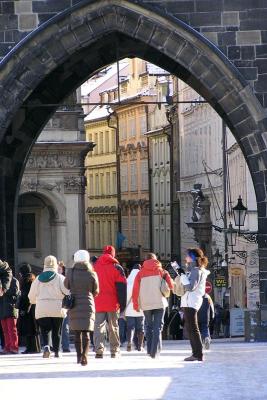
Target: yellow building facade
[(134, 176), (101, 192)]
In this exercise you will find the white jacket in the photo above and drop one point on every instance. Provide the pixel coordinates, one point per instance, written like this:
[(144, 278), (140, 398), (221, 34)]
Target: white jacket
[(129, 311), (48, 296), (195, 285)]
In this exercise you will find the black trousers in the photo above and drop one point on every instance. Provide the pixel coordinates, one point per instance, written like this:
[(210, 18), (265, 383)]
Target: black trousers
[(190, 316), (54, 325)]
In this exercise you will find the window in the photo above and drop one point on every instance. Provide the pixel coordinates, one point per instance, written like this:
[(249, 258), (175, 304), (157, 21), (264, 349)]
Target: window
[(122, 129), (113, 140), (109, 232), (145, 231), (102, 186), (143, 127), (144, 175), (92, 235), (133, 177), (134, 230), (91, 185), (114, 182), (108, 191), (132, 127), (26, 231), (125, 229), (98, 235), (107, 142), (96, 148), (97, 185), (124, 178), (101, 143)]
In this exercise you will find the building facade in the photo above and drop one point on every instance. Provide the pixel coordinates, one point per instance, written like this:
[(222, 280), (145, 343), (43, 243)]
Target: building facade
[(101, 174), (50, 218)]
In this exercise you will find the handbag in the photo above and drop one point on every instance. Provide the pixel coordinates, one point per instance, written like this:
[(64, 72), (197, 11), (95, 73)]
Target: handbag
[(164, 287), (178, 288), (68, 300)]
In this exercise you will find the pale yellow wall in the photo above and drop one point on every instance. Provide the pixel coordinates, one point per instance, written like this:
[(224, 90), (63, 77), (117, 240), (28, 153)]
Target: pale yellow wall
[(101, 191)]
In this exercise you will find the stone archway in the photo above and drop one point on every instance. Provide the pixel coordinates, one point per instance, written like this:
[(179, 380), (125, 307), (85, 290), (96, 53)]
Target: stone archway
[(62, 53)]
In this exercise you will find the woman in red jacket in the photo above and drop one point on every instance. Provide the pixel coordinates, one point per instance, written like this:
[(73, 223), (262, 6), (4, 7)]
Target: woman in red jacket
[(148, 297)]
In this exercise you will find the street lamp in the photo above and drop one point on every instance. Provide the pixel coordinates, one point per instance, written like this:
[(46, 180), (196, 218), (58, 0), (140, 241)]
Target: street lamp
[(231, 235), (240, 212)]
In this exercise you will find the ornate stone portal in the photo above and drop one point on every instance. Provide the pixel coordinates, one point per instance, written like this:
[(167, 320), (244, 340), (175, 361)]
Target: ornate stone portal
[(51, 202)]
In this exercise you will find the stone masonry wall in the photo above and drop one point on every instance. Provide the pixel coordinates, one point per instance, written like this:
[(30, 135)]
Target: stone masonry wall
[(237, 27)]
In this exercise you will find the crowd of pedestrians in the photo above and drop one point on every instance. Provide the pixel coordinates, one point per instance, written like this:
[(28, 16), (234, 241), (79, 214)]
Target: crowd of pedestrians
[(103, 300)]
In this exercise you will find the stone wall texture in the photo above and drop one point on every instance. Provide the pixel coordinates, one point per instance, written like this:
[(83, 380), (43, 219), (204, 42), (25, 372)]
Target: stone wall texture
[(237, 27), (63, 53)]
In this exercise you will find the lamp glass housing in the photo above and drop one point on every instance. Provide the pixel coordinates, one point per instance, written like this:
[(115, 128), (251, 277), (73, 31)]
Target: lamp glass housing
[(240, 212), (231, 235)]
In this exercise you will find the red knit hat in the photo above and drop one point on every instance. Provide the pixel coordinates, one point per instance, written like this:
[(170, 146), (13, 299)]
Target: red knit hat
[(109, 250)]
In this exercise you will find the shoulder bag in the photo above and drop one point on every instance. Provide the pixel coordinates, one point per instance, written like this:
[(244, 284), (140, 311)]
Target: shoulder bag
[(68, 300), (164, 287)]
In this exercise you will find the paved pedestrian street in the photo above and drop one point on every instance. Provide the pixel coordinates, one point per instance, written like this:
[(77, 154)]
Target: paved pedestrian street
[(232, 370)]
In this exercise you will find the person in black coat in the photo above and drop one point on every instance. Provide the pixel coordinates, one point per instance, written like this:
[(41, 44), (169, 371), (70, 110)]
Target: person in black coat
[(175, 324), (8, 317), (27, 324)]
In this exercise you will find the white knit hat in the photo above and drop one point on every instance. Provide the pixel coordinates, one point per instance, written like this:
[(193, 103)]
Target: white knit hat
[(81, 256), (50, 262)]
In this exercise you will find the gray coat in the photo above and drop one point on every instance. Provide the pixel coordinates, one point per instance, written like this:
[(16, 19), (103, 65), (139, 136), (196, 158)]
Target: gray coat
[(83, 284)]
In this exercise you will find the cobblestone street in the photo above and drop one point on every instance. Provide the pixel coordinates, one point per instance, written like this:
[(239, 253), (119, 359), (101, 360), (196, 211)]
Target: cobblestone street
[(232, 370)]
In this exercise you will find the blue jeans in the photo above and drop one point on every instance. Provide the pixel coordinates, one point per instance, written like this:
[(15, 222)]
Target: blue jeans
[(65, 339), (204, 329), (134, 325), (154, 325)]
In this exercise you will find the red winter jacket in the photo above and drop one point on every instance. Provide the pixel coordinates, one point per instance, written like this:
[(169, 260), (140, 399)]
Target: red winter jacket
[(112, 285)]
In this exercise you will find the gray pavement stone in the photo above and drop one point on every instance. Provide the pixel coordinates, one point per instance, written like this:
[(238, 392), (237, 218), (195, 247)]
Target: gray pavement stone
[(232, 370)]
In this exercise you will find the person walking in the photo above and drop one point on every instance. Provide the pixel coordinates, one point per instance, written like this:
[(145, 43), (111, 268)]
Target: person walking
[(147, 297), (65, 334), (217, 320), (204, 317), (110, 301), (8, 317), (226, 321), (134, 319), (5, 277), (82, 282), (47, 292), (27, 324), (194, 282)]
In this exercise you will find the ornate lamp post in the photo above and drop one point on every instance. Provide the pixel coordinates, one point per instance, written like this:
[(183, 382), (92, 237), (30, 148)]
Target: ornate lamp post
[(240, 212)]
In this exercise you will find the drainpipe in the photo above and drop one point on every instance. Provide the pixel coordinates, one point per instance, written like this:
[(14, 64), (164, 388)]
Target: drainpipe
[(151, 244)]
